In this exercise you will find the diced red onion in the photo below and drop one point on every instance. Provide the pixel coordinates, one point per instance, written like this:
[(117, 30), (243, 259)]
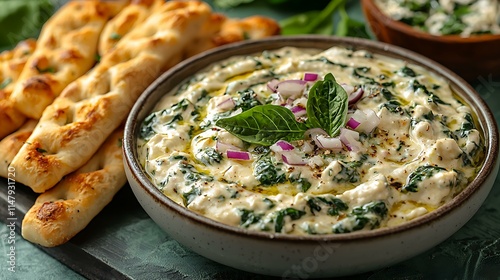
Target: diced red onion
[(226, 104), (324, 142), (289, 101), (310, 77), (238, 155), (292, 158), (310, 133), (222, 147), (356, 96), (352, 123), (298, 111), (290, 88), (281, 146), (348, 88), (350, 139), (372, 121), (272, 85)]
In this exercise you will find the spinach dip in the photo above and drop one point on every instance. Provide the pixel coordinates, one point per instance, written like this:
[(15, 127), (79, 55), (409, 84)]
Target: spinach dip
[(446, 17), (305, 141)]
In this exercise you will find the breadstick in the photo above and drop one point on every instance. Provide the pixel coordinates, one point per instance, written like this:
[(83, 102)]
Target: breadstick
[(10, 145), (62, 212), (11, 65), (220, 30), (77, 123), (66, 49), (129, 18)]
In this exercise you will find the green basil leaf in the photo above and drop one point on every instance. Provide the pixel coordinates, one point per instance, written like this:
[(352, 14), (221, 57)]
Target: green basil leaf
[(264, 125), (327, 106)]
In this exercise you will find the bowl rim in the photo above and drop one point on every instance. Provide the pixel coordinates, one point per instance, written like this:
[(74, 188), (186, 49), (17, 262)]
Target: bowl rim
[(484, 114), (371, 7)]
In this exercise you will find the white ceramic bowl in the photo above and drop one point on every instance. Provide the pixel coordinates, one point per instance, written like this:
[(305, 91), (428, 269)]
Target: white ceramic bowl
[(307, 256)]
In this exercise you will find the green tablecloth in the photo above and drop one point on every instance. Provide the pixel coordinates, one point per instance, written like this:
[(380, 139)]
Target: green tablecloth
[(472, 253)]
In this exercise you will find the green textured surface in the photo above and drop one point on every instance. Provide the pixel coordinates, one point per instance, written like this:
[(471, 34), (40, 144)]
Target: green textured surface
[(128, 241)]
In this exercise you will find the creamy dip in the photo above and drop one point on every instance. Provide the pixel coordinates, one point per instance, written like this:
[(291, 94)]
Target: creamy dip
[(446, 17), (424, 149)]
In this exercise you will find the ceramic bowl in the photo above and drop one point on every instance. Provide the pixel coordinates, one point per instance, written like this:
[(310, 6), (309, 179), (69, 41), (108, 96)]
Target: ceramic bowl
[(470, 57), (306, 256)]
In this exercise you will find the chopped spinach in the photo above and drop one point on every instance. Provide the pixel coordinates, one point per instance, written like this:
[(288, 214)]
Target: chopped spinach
[(147, 129), (370, 214), (393, 106), (335, 205), (466, 126), (248, 217), (302, 183), (191, 175), (247, 99), (327, 61), (188, 197), (270, 203), (209, 156), (267, 172), (349, 172), (407, 72), (293, 213), (421, 173)]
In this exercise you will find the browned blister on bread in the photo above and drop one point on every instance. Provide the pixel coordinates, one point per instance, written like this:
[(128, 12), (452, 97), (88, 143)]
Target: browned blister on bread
[(11, 144), (66, 49), (11, 65), (254, 27), (62, 212), (130, 17), (79, 120)]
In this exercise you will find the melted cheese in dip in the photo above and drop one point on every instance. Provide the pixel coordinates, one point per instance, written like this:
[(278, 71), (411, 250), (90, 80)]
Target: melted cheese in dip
[(423, 152)]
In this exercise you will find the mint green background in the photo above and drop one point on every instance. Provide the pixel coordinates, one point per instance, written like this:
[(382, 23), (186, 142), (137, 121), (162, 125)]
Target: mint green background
[(472, 253)]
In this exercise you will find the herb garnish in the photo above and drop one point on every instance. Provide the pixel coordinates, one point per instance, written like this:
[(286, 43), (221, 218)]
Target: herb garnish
[(327, 106), (5, 83), (265, 124)]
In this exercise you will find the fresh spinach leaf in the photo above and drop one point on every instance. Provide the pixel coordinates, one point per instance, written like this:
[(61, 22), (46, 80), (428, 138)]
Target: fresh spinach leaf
[(327, 106), (311, 22), (348, 26), (264, 125), (225, 4), (298, 24)]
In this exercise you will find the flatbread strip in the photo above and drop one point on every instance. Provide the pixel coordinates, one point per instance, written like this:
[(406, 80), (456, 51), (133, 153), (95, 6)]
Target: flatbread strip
[(220, 30), (77, 123), (130, 17), (10, 145), (66, 49), (11, 65), (62, 212)]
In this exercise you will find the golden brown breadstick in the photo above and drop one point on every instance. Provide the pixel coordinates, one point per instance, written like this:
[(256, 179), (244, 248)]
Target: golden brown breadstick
[(62, 212), (11, 144), (77, 123), (11, 65), (130, 17), (66, 49)]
